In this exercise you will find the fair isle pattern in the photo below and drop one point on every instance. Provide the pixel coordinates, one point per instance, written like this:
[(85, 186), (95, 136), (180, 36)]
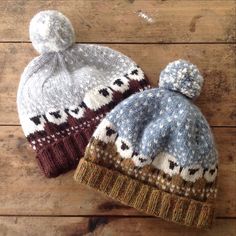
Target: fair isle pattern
[(201, 188), (65, 92), (155, 151), (94, 99), (55, 81), (159, 120), (55, 125), (40, 142), (62, 136), (163, 161)]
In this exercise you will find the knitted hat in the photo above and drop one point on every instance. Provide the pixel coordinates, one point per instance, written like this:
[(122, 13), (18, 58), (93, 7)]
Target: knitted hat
[(64, 92), (155, 151)]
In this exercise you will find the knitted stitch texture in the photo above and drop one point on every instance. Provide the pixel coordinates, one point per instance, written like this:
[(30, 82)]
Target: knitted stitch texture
[(64, 92), (155, 151)]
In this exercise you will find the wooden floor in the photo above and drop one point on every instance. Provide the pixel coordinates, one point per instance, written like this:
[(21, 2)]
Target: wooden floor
[(153, 33)]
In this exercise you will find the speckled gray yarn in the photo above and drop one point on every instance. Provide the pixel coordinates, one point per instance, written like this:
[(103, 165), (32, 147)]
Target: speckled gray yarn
[(65, 92), (54, 81), (162, 120), (51, 31), (59, 79), (182, 76)]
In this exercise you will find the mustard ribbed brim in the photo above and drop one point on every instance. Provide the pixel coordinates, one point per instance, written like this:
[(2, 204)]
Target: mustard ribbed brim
[(144, 197)]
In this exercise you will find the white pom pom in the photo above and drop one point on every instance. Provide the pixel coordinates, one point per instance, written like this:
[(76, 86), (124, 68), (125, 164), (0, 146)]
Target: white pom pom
[(182, 76), (51, 31)]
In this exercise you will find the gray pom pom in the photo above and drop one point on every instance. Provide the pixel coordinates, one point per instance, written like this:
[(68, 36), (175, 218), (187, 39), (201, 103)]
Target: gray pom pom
[(182, 76), (51, 31)]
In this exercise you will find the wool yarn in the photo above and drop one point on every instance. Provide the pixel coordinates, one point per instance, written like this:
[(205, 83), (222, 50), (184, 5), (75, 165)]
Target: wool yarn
[(51, 31), (65, 91), (155, 151)]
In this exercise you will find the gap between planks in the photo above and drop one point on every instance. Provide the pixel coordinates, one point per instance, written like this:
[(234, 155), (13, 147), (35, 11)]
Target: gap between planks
[(113, 216), (160, 43)]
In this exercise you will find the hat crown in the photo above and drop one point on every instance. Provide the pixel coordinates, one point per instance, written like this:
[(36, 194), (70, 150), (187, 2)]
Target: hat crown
[(159, 120), (59, 80)]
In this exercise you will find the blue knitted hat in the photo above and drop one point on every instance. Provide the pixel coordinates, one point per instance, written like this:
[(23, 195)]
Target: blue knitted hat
[(155, 151)]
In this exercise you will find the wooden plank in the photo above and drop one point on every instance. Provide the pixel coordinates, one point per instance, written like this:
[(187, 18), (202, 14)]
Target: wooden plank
[(107, 226), (216, 62), (128, 21), (26, 192)]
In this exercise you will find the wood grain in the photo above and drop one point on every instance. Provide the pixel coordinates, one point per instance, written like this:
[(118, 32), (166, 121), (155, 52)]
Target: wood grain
[(216, 62), (128, 20), (153, 33), (106, 226), (28, 192)]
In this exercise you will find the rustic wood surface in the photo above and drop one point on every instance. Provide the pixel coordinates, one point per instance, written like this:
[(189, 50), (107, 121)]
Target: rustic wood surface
[(123, 20), (153, 33), (107, 226)]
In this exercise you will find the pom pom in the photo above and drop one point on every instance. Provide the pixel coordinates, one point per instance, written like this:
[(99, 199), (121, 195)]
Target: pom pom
[(182, 76), (51, 31)]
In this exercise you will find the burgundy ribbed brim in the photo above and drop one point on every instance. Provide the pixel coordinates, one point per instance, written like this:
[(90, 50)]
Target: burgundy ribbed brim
[(64, 154)]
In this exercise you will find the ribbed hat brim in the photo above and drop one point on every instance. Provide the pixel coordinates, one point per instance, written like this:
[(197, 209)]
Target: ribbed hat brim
[(144, 197), (64, 154)]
